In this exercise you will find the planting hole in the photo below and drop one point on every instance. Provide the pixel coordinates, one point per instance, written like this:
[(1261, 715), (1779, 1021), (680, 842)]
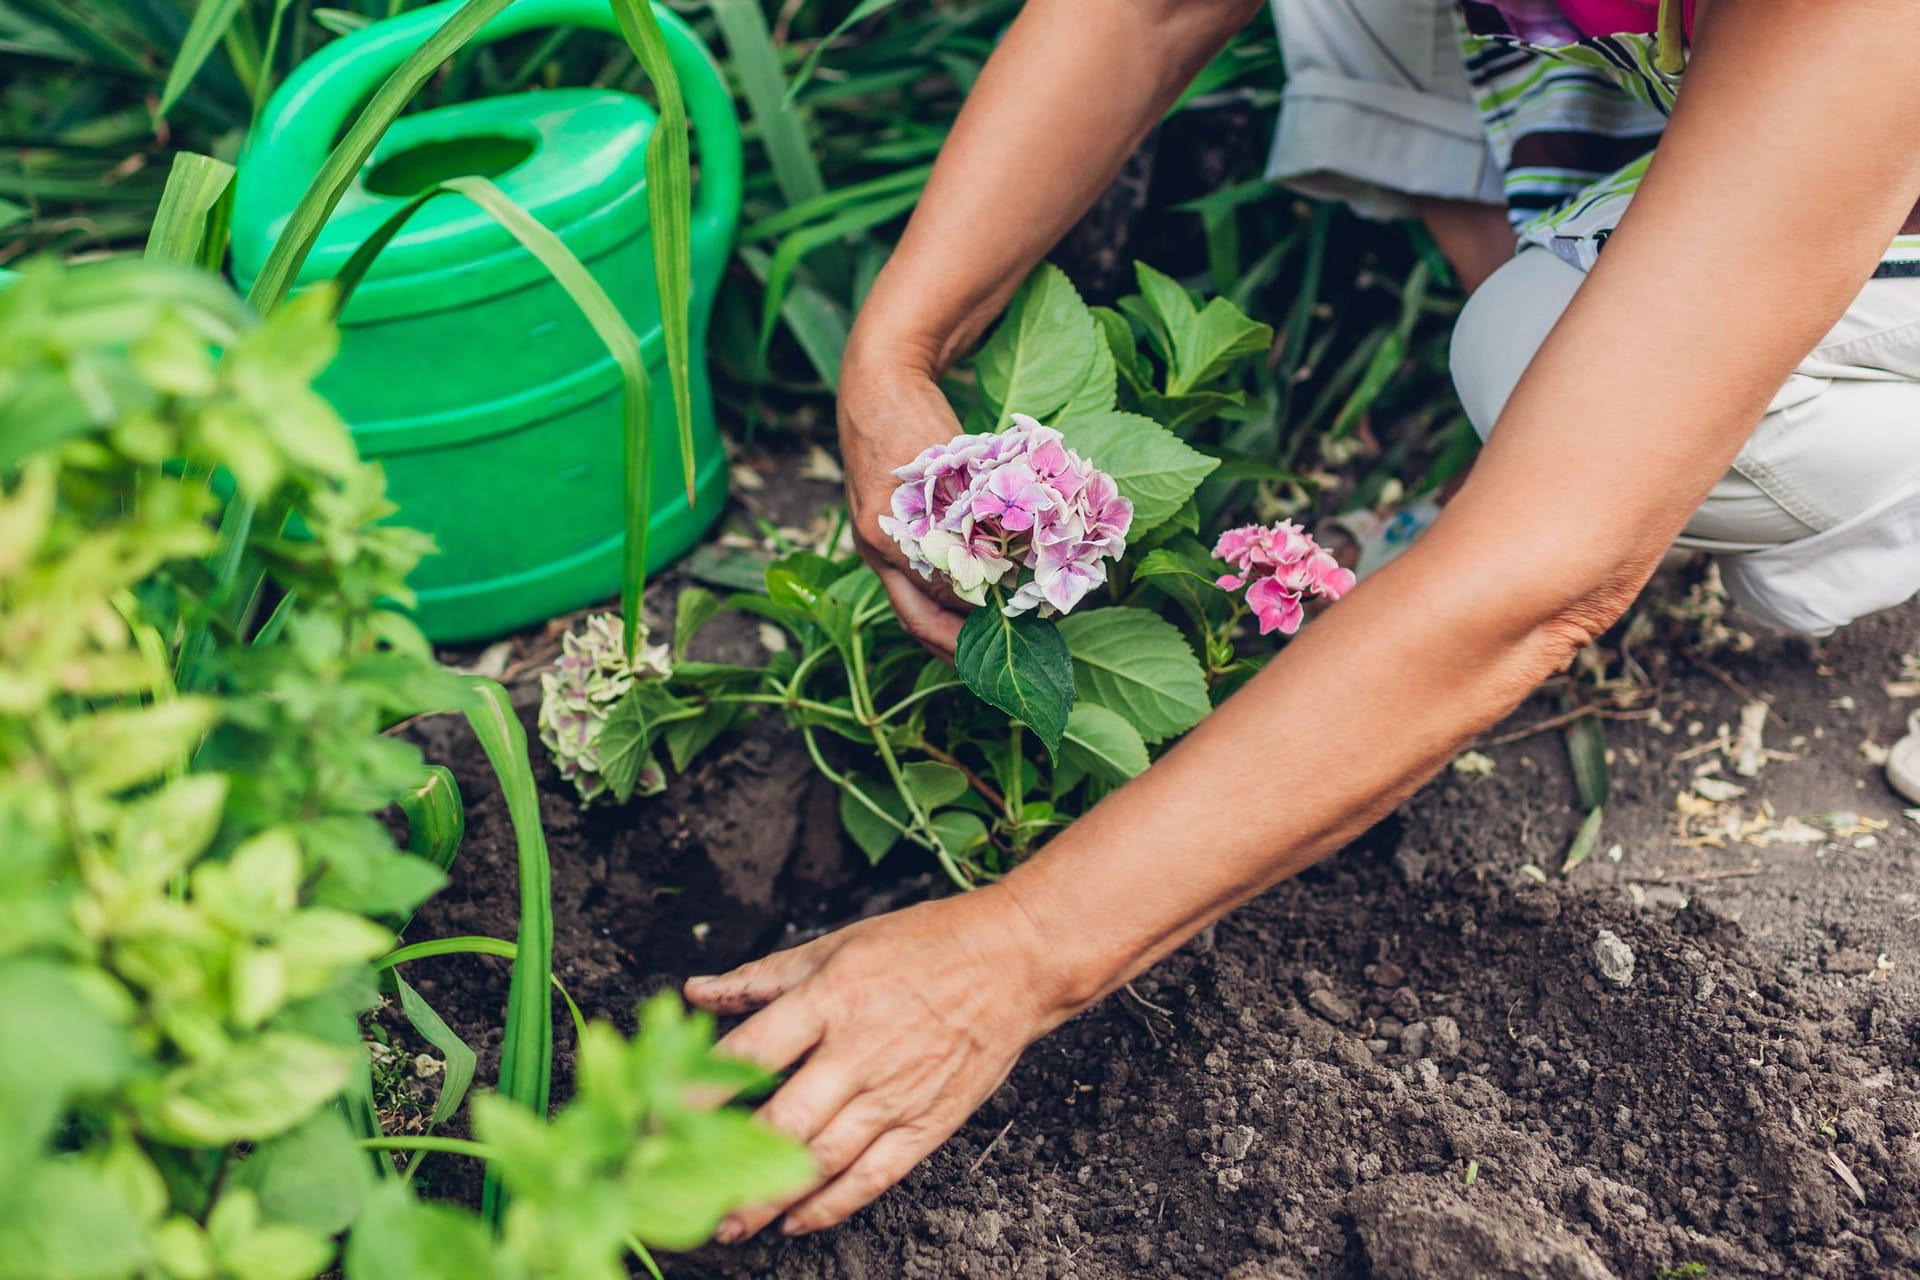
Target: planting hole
[(407, 173)]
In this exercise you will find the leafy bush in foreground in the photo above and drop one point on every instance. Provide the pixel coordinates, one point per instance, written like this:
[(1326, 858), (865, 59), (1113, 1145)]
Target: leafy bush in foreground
[(196, 895)]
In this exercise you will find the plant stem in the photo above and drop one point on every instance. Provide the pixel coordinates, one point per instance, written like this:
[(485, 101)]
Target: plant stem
[(449, 1146), (1016, 786), (797, 704), (974, 780)]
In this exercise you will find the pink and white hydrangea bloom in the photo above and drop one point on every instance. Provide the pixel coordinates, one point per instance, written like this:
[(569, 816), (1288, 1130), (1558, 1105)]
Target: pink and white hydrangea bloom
[(1280, 565), (981, 508)]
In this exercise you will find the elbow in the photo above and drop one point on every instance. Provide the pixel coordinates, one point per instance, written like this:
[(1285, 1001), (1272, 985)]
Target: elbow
[(1568, 627)]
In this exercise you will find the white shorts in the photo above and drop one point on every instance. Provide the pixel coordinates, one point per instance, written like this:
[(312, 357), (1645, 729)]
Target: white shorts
[(1818, 522)]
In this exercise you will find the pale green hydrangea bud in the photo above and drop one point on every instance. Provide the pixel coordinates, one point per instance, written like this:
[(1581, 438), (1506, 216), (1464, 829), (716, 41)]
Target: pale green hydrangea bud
[(580, 689)]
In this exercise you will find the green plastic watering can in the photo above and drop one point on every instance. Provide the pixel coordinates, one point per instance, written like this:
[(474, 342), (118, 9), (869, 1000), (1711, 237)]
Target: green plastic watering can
[(463, 368)]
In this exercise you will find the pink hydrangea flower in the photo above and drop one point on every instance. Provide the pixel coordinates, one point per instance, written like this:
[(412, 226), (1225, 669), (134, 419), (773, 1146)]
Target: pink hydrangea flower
[(1280, 565), (986, 510)]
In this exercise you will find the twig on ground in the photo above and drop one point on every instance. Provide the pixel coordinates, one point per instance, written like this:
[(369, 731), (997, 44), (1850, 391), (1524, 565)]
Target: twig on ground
[(1739, 689), (1564, 718), (989, 1149)]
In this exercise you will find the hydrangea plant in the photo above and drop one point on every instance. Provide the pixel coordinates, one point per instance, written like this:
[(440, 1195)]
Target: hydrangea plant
[(983, 508), (578, 694), (1280, 565)]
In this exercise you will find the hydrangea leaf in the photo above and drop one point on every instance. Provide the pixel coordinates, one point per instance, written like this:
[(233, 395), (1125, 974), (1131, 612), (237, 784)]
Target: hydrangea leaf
[(1041, 354), (1104, 743), (1154, 468), (1134, 662), (1020, 665), (1204, 340)]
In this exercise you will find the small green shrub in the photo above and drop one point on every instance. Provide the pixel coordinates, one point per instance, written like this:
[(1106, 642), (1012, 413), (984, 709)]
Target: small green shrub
[(197, 893)]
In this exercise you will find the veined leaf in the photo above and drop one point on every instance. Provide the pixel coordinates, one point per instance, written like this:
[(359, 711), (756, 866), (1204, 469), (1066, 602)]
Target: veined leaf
[(1135, 662), (1104, 743), (1041, 353), (1021, 666), (1155, 469)]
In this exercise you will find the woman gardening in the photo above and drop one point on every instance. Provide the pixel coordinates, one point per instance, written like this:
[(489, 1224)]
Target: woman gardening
[(1689, 230)]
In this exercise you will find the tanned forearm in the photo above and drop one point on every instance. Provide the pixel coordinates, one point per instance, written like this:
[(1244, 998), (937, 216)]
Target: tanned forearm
[(1786, 170), (1064, 101)]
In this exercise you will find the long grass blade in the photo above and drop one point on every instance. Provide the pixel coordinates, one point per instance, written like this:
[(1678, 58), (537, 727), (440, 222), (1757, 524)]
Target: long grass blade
[(323, 194), (436, 820), (460, 1057), (526, 1046), (670, 213), (858, 14), (195, 209), (787, 258), (263, 85), (211, 22), (600, 312), (756, 62), (476, 945)]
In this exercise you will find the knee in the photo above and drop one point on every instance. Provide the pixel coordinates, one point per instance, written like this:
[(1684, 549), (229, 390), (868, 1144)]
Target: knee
[(1502, 326)]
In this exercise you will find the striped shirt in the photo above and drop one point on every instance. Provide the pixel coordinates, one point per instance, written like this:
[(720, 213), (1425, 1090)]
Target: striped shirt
[(1572, 120)]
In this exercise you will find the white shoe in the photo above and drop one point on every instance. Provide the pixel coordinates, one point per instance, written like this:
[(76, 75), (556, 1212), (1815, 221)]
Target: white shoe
[(1903, 762)]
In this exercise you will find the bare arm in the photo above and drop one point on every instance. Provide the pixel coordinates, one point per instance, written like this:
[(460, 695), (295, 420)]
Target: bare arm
[(1062, 103), (1785, 172)]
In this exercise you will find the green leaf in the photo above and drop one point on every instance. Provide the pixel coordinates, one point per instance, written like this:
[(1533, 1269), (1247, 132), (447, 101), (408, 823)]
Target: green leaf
[(961, 831), (1154, 468), (401, 1238), (47, 1008), (1019, 665), (1041, 354), (315, 1176), (756, 64), (211, 18), (1205, 341), (191, 223), (435, 1031), (712, 1162), (874, 834), (526, 1048), (1583, 841), (436, 820), (686, 739), (1104, 743), (934, 784), (1587, 750), (627, 738), (260, 1088), (66, 1221), (695, 608), (1135, 662), (112, 750)]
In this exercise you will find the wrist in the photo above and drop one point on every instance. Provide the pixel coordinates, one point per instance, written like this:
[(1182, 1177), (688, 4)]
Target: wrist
[(1061, 969)]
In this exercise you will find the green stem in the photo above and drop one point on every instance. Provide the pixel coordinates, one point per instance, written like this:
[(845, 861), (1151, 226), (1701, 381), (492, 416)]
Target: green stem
[(1016, 786), (917, 696), (423, 1142), (863, 704), (794, 704)]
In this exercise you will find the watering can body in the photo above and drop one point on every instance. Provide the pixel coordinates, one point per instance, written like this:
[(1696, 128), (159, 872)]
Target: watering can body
[(464, 369)]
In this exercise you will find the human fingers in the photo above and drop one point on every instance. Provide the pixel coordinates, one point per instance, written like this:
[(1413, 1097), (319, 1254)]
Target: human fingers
[(758, 982), (889, 1158), (776, 1037), (925, 619), (814, 1108)]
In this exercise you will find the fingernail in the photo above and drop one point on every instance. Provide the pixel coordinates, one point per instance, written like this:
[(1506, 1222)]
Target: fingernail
[(729, 1232), (790, 1227)]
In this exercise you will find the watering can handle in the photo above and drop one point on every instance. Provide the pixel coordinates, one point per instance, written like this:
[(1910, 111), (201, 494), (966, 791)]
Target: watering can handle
[(304, 118)]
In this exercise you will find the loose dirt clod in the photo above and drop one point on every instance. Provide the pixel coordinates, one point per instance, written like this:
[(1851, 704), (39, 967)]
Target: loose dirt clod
[(1613, 958)]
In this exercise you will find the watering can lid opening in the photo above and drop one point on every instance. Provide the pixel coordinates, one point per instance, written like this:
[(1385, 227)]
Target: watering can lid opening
[(566, 156)]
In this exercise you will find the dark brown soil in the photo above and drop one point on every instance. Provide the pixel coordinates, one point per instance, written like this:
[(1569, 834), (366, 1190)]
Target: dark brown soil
[(1404, 1064)]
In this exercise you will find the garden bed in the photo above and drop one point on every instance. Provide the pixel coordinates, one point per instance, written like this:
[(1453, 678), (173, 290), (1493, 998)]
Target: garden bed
[(1403, 1064)]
